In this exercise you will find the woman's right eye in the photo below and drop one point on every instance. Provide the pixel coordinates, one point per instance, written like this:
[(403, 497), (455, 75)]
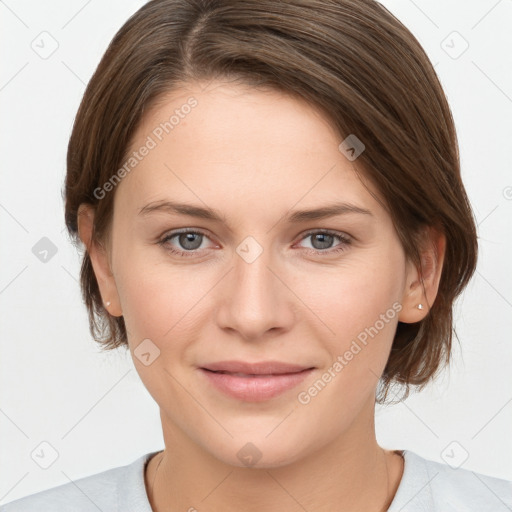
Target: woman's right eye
[(189, 241)]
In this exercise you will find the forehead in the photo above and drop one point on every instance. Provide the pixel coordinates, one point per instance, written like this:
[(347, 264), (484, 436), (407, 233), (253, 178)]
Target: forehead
[(233, 142)]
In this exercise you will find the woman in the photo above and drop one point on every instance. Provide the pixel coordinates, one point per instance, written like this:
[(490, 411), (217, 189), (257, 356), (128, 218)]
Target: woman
[(276, 228)]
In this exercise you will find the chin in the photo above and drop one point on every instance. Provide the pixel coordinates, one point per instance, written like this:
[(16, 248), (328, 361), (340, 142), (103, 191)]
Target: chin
[(259, 452)]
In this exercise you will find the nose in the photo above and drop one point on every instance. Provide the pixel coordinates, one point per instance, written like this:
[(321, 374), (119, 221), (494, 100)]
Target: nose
[(255, 301)]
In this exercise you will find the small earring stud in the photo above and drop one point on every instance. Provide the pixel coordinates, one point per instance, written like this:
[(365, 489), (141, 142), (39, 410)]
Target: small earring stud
[(420, 306), (107, 303)]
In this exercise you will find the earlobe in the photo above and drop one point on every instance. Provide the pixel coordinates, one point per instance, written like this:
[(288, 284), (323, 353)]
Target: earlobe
[(99, 260), (422, 284)]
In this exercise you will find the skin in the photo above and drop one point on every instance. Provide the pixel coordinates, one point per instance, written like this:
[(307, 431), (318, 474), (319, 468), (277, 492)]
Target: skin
[(254, 155)]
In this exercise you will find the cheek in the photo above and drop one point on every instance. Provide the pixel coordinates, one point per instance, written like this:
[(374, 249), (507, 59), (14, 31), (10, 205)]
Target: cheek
[(360, 305), (162, 304), (361, 308), (356, 295), (156, 301), (161, 300)]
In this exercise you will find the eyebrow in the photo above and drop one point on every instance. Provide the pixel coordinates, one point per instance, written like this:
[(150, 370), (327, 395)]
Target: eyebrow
[(295, 216)]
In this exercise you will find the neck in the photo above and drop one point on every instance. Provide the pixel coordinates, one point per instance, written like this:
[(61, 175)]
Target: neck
[(351, 474)]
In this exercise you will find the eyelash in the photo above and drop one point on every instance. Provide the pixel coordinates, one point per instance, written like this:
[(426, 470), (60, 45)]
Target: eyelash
[(345, 241)]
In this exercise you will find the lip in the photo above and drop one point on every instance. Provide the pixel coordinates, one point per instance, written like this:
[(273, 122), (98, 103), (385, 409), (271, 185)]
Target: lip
[(261, 368), (254, 382)]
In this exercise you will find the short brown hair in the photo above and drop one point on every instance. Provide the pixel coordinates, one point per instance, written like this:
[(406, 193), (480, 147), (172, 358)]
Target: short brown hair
[(354, 61)]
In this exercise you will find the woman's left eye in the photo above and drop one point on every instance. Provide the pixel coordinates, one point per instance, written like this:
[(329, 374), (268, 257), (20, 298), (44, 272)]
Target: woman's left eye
[(324, 239), (191, 241)]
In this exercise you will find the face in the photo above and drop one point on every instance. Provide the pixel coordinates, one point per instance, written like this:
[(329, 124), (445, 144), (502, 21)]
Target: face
[(237, 274)]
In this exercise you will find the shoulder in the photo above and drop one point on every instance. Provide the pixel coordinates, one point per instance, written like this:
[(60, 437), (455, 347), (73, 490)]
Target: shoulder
[(120, 488), (429, 485)]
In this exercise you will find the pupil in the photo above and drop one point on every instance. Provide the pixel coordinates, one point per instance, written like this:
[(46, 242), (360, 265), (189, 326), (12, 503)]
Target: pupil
[(324, 240), (188, 242)]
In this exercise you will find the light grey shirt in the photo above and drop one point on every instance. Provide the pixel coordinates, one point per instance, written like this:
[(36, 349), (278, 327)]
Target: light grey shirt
[(425, 486)]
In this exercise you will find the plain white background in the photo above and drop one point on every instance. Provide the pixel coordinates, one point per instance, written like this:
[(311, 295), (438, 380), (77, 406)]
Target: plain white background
[(90, 408)]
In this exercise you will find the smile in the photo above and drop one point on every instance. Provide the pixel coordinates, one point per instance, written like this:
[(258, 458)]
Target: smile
[(255, 387)]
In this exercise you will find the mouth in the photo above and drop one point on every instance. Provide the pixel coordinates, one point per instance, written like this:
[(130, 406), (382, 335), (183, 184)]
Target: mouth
[(254, 369), (254, 382)]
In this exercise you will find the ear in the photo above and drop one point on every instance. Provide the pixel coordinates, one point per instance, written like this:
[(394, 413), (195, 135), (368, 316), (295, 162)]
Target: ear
[(421, 287), (99, 260)]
